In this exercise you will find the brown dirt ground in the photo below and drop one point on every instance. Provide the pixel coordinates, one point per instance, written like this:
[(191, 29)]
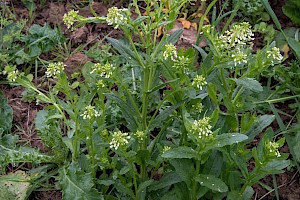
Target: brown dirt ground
[(24, 112)]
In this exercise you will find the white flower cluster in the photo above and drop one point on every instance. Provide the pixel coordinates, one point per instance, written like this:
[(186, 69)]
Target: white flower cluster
[(198, 107), (90, 112), (116, 17), (272, 147), (119, 139), (182, 62), (252, 6), (104, 70), (274, 56), (141, 135), (170, 52), (239, 57), (100, 84), (199, 81), (202, 128), (54, 69), (239, 35), (70, 18), (13, 75)]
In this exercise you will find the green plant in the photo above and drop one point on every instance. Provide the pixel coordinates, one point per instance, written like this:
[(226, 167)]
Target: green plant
[(267, 31), (142, 122), (253, 10), (40, 39), (10, 34), (291, 9), (31, 6)]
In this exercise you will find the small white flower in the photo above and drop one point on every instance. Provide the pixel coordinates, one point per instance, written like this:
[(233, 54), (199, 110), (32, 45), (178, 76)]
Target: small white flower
[(274, 55), (141, 135), (54, 69), (202, 128), (239, 57), (272, 147), (170, 52), (70, 18), (90, 112), (13, 75), (199, 81), (100, 84), (119, 139), (181, 63), (103, 70), (116, 17)]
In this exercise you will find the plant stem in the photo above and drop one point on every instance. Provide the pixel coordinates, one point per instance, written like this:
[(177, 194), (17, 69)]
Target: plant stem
[(91, 148), (194, 190), (134, 182)]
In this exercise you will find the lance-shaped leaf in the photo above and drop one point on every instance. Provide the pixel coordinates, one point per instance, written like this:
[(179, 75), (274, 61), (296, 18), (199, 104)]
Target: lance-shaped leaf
[(124, 50), (127, 110), (180, 152), (160, 119), (259, 124), (249, 83), (167, 180), (229, 139), (211, 182)]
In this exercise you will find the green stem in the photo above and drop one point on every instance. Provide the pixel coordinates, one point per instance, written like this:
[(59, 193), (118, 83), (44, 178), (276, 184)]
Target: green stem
[(91, 148), (194, 190), (134, 182), (238, 94), (202, 20), (76, 137)]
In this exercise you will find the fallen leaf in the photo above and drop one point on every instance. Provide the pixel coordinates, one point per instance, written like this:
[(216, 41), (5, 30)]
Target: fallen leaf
[(185, 23)]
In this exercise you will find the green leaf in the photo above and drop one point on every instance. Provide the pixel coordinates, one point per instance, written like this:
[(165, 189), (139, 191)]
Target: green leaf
[(139, 20), (161, 118), (14, 186), (124, 190), (276, 166), (294, 44), (201, 51), (124, 50), (162, 85), (172, 39), (248, 193), (259, 124), (185, 169), (249, 83), (6, 115), (229, 139), (180, 152), (179, 192), (211, 90), (77, 185), (142, 190), (292, 10), (247, 121), (128, 112), (271, 13), (211, 182), (167, 180)]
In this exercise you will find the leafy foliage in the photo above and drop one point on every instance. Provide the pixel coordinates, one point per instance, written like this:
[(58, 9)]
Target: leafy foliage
[(142, 121), (292, 9)]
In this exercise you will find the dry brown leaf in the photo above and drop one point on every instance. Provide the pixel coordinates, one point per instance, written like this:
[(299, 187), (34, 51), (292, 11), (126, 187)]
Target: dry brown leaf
[(194, 25), (185, 23), (285, 48)]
